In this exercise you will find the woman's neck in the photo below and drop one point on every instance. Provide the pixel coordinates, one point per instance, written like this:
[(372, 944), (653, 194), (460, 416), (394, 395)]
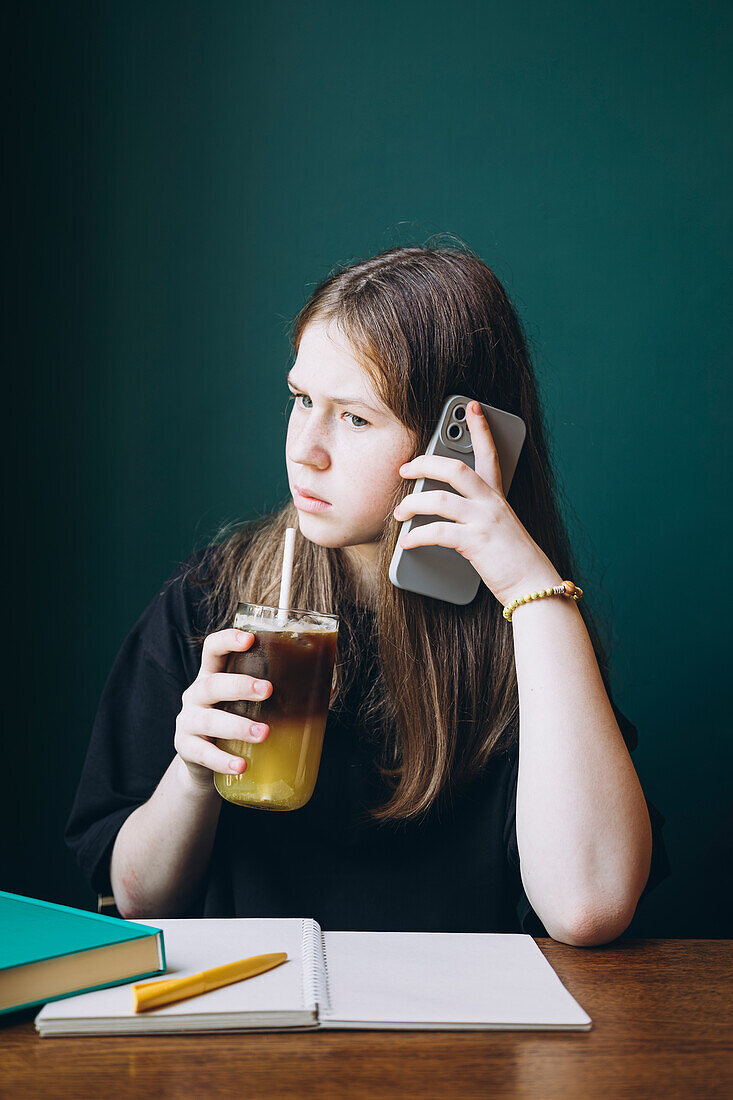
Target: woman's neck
[(362, 562)]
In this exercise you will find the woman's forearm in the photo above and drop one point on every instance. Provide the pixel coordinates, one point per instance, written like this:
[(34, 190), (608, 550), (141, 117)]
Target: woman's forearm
[(163, 848), (583, 829)]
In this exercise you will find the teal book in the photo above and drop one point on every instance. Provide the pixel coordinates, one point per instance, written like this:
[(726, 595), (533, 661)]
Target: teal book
[(50, 951)]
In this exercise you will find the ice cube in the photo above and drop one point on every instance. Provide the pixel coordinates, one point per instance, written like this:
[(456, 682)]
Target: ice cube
[(277, 792)]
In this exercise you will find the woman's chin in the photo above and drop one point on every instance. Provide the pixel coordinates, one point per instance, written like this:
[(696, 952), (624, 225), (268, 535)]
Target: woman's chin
[(313, 531), (312, 528)]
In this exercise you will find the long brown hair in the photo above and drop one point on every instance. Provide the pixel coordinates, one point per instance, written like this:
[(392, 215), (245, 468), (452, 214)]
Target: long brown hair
[(424, 322)]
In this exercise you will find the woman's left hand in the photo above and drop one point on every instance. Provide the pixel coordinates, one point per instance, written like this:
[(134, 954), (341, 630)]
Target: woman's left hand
[(485, 529)]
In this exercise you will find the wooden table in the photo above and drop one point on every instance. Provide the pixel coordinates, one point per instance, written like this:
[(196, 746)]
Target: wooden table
[(662, 1015)]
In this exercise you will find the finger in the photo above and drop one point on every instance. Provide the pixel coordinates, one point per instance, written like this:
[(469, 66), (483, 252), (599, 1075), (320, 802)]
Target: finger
[(213, 722), (197, 750), (217, 687), (482, 441), (434, 534), (434, 503), (449, 470), (219, 645)]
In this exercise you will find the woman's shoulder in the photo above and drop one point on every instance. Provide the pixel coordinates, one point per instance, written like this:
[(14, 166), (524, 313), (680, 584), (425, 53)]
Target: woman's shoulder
[(172, 625), (185, 588), (190, 602)]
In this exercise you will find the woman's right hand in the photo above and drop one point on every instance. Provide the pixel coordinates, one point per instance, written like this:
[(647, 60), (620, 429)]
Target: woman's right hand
[(199, 723)]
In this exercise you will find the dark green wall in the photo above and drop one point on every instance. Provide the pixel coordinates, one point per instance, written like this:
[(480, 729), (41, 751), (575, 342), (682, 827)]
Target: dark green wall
[(185, 173)]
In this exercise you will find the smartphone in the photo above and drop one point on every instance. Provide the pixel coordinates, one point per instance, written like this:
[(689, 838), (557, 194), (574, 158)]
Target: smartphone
[(440, 571)]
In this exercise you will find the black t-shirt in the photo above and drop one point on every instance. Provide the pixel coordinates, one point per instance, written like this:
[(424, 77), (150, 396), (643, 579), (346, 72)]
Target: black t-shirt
[(455, 871)]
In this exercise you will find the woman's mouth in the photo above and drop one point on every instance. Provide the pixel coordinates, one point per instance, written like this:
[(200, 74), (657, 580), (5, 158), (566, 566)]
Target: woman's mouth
[(307, 503)]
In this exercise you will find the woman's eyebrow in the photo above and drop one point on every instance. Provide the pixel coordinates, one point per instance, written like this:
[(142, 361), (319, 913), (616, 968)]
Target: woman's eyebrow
[(337, 400)]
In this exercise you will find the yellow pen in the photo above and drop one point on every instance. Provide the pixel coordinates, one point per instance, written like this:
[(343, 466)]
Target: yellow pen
[(154, 994)]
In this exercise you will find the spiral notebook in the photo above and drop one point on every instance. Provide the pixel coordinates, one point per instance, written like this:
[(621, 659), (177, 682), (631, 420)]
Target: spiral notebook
[(386, 980)]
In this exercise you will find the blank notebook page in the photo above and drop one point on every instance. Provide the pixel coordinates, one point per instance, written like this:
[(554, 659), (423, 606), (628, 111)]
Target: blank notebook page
[(193, 945), (433, 978)]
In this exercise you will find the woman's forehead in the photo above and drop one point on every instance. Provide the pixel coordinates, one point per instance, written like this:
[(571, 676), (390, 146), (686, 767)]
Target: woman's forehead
[(325, 359)]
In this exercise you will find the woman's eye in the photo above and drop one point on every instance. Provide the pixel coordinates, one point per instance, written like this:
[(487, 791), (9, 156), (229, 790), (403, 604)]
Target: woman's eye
[(363, 424), (304, 396)]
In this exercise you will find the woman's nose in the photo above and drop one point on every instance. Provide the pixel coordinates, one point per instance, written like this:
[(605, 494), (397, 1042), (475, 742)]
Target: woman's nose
[(306, 446)]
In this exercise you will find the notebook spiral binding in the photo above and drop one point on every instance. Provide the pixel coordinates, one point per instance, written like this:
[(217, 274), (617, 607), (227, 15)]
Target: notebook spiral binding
[(315, 972)]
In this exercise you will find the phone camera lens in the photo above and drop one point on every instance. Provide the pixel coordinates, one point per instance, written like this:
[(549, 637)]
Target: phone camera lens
[(455, 431), (459, 412)]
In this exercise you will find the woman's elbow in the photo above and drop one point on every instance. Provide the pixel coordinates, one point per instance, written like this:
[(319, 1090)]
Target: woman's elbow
[(591, 925)]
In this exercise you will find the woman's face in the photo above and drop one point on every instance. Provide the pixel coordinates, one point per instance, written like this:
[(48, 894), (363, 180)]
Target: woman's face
[(343, 445)]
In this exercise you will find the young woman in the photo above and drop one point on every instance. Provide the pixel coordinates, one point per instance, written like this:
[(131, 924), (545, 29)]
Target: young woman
[(475, 773)]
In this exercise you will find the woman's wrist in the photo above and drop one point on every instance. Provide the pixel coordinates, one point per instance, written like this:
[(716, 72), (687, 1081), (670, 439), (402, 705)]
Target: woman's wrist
[(200, 790), (535, 582)]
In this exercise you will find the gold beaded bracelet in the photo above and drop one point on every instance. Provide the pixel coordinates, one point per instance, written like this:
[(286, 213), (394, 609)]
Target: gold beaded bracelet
[(567, 589)]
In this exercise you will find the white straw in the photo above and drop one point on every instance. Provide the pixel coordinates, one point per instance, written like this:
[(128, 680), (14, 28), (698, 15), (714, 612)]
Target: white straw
[(284, 603)]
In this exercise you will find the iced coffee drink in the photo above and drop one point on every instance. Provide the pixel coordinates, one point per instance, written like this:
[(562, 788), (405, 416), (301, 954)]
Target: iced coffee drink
[(295, 651)]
